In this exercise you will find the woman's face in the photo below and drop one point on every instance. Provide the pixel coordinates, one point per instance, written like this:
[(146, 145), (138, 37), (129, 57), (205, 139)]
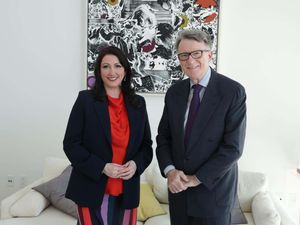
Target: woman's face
[(112, 72)]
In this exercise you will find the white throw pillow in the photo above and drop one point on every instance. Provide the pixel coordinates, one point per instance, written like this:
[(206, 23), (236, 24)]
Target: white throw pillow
[(250, 183), (160, 185), (29, 205), (263, 210), (286, 219)]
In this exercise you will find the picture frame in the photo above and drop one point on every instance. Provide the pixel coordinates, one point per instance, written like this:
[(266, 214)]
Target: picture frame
[(146, 31)]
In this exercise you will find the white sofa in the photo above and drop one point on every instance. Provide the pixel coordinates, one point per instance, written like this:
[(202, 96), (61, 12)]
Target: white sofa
[(260, 207)]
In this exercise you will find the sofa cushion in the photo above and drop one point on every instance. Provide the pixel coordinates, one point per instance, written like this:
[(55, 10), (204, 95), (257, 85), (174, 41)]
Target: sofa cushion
[(263, 210), (49, 216), (149, 206), (29, 205), (54, 190), (160, 219)]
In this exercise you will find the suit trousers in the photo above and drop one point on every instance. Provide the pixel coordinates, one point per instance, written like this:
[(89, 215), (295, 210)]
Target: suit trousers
[(179, 216)]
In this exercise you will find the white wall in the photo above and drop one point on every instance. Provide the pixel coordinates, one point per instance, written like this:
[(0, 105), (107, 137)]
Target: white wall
[(259, 46), (42, 68)]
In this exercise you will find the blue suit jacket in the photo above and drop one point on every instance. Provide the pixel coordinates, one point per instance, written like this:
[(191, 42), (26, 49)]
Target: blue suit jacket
[(215, 144), (87, 144)]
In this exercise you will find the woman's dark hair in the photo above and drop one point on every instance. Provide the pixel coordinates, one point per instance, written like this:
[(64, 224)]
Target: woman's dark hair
[(127, 89)]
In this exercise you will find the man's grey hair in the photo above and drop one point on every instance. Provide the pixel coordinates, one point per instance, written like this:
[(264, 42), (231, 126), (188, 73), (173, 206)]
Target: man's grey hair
[(197, 35)]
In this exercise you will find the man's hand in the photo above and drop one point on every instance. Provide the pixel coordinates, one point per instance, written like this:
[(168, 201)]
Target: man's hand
[(192, 181), (176, 181)]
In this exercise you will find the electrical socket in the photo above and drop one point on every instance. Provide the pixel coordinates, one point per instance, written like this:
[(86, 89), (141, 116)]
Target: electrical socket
[(10, 180)]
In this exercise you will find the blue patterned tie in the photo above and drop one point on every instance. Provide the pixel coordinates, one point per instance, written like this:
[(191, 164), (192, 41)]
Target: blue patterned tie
[(194, 106)]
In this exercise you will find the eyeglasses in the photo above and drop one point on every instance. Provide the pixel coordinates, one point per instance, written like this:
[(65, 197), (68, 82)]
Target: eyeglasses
[(195, 55)]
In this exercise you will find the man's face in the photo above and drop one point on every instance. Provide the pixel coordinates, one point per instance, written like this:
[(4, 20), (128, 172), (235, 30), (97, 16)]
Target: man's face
[(194, 68)]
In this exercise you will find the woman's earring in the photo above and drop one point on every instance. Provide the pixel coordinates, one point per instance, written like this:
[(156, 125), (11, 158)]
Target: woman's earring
[(124, 79)]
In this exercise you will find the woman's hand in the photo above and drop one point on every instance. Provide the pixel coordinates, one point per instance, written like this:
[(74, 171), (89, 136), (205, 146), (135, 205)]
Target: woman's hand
[(112, 170), (128, 170)]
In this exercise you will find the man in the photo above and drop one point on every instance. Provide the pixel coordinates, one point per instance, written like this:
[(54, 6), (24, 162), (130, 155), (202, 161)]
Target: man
[(201, 137)]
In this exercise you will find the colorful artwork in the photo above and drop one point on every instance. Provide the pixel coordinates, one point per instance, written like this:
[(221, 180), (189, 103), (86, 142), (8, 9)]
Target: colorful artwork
[(146, 31)]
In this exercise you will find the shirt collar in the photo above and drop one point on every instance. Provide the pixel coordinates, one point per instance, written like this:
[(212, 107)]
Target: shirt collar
[(204, 81)]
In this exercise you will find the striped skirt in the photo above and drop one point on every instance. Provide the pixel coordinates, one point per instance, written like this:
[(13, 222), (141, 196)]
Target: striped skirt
[(109, 213)]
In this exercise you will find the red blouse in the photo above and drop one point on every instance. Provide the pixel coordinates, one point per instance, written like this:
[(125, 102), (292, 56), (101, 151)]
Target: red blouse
[(120, 137)]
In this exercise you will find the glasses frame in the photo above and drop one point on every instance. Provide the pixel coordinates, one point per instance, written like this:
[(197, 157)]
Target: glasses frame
[(188, 54)]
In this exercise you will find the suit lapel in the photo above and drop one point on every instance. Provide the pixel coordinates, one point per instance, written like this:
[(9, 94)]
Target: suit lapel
[(181, 99), (101, 109), (207, 107)]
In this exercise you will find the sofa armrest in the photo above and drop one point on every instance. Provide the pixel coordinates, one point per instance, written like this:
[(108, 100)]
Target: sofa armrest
[(7, 202)]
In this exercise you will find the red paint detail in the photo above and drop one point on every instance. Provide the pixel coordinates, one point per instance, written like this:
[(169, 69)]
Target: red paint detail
[(149, 47), (206, 3), (210, 18)]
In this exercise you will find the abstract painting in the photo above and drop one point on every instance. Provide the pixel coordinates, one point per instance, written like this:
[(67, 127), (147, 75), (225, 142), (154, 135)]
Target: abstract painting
[(146, 31)]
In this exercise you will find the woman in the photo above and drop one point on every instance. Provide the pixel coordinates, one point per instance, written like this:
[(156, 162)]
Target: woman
[(108, 142)]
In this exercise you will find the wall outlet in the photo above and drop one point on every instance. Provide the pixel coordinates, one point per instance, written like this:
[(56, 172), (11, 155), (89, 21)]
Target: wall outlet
[(10, 181)]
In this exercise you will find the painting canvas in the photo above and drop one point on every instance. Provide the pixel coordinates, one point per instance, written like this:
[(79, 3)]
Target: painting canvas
[(146, 31)]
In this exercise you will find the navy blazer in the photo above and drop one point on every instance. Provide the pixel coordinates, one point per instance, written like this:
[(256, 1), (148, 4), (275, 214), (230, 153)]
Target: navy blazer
[(87, 144), (215, 144)]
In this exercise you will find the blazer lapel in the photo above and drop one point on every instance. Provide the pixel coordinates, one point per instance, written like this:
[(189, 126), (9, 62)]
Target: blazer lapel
[(101, 109), (133, 125)]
